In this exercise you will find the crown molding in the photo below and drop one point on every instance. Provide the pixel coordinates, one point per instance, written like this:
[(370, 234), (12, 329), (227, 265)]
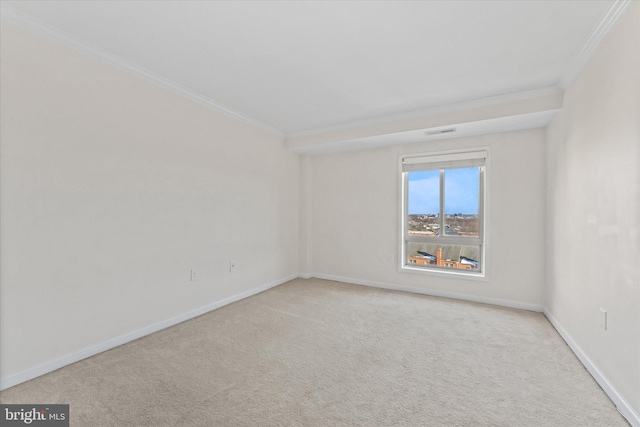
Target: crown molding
[(20, 19), (482, 102), (608, 19)]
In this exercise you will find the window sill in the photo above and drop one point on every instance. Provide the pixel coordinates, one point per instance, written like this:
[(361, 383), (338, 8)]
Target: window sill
[(480, 277)]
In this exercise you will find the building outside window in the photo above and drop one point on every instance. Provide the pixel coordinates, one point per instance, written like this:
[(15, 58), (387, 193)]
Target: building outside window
[(443, 212)]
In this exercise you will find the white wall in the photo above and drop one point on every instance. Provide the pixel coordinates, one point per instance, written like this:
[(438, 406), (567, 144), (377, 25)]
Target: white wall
[(306, 216), (594, 208), (355, 222), (113, 188)]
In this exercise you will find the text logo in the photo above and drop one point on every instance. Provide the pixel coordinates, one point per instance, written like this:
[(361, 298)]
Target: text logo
[(34, 415)]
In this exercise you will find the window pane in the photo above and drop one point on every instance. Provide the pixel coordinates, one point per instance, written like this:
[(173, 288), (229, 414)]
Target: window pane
[(461, 201), (423, 205), (445, 256)]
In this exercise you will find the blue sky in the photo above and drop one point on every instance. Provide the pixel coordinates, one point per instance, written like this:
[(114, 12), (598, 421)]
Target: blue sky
[(461, 190)]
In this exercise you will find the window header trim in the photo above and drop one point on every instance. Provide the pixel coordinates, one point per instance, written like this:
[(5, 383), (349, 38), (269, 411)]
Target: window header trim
[(444, 161)]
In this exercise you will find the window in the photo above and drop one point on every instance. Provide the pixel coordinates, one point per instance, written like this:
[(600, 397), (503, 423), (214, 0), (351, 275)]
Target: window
[(443, 212)]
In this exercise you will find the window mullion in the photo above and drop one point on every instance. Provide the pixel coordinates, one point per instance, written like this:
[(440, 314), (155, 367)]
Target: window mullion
[(405, 218), (481, 203), (446, 240), (441, 202)]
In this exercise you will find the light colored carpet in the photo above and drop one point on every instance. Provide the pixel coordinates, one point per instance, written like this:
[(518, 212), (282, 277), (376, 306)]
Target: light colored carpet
[(320, 353)]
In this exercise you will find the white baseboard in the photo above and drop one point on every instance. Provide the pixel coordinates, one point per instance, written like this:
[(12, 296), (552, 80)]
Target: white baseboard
[(623, 406), (52, 365), (430, 292)]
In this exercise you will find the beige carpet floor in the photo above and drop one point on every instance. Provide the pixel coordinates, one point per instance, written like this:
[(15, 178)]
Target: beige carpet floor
[(320, 353)]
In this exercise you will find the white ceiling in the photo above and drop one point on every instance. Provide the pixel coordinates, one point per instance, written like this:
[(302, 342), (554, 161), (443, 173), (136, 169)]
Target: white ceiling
[(303, 66)]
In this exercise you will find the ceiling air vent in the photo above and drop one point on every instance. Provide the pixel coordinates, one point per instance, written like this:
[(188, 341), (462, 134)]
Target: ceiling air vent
[(439, 132)]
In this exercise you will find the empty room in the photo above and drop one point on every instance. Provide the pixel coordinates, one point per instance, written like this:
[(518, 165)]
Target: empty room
[(320, 213)]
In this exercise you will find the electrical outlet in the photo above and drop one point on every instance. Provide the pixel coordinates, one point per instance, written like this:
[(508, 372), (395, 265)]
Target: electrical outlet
[(232, 265), (193, 275), (603, 318)]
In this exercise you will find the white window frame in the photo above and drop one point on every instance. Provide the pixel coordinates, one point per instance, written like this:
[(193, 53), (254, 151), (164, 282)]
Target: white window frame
[(444, 160)]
